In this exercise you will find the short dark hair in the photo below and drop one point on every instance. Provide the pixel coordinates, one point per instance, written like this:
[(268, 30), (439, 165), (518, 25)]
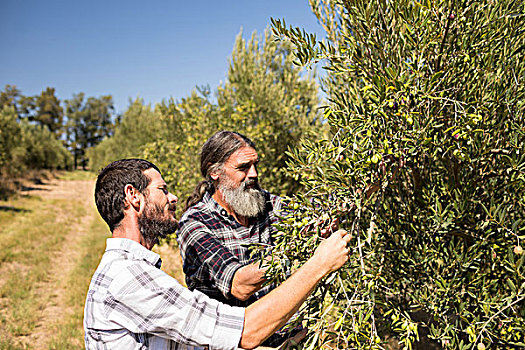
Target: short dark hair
[(109, 190), (215, 152)]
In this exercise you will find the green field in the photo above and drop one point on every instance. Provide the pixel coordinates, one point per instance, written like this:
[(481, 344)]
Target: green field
[(50, 243)]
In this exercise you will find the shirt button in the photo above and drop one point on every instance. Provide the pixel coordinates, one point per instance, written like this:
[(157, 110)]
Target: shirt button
[(223, 212)]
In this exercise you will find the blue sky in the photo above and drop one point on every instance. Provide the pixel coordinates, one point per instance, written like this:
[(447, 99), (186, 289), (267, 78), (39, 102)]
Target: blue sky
[(149, 49)]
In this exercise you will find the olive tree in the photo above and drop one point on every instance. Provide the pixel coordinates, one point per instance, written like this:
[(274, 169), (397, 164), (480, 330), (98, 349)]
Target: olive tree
[(264, 97), (424, 167)]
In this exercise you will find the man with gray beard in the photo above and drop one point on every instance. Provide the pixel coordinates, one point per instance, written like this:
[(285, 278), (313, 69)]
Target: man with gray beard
[(227, 213)]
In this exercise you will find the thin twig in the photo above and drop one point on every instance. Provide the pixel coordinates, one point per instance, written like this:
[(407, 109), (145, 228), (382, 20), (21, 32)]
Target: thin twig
[(497, 313)]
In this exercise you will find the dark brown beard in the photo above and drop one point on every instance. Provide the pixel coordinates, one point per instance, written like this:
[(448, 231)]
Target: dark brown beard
[(153, 226)]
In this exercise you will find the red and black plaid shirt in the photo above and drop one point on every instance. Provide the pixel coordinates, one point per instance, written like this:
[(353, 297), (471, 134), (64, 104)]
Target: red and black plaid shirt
[(214, 246)]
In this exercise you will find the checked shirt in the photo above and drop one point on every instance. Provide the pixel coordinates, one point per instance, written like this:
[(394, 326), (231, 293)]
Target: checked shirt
[(213, 246), (132, 304)]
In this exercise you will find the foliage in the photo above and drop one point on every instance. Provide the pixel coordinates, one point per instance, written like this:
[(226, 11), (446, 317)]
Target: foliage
[(138, 126), (10, 96), (26, 146), (88, 123), (264, 97), (427, 102), (42, 149), (9, 134), (49, 112), (187, 125), (43, 109), (32, 129)]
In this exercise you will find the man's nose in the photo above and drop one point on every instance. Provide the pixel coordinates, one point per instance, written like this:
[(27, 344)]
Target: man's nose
[(172, 198), (252, 172)]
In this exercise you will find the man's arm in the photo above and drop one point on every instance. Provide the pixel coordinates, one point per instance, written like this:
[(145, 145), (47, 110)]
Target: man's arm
[(200, 249), (229, 276), (247, 280), (270, 313)]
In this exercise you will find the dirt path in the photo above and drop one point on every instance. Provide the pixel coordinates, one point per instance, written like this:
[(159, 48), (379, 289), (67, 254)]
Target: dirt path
[(64, 260)]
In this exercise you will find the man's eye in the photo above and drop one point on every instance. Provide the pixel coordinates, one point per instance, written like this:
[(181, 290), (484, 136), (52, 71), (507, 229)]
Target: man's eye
[(164, 190)]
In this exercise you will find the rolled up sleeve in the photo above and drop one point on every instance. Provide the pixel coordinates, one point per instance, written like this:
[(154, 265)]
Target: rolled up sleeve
[(201, 250)]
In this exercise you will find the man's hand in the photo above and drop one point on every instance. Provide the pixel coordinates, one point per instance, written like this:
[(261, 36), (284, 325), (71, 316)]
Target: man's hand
[(332, 253), (270, 313), (247, 280), (327, 226)]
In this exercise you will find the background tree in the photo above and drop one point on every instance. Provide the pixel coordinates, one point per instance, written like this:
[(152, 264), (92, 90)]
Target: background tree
[(272, 101), (427, 101), (9, 135), (27, 143), (88, 123), (139, 125), (25, 146), (10, 96), (264, 97), (44, 109), (41, 149), (48, 111), (186, 126), (25, 106)]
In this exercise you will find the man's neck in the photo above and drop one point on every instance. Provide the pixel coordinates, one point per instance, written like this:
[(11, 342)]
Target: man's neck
[(130, 231), (243, 220)]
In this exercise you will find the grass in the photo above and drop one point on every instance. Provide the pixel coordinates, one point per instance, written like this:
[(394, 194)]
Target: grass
[(76, 175), (32, 231), (28, 238), (69, 332)]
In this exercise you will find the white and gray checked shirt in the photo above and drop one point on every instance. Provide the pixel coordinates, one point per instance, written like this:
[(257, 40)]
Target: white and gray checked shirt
[(132, 304)]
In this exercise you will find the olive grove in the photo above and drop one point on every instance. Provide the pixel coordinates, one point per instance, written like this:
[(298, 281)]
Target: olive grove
[(424, 166)]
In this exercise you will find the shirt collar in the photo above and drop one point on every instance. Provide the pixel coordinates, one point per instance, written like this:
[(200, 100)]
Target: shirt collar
[(136, 249), (213, 206)]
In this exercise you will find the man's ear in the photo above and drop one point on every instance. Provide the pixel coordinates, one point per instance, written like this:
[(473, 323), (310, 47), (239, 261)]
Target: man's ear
[(132, 196), (215, 173)]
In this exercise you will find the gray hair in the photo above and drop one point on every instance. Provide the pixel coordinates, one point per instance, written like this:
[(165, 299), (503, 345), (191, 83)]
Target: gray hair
[(215, 152)]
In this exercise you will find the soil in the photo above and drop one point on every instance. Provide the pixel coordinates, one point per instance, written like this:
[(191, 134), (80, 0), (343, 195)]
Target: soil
[(66, 257)]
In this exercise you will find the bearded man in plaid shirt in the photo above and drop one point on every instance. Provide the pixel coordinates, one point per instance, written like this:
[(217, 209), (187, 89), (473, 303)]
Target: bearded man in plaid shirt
[(132, 304), (227, 213)]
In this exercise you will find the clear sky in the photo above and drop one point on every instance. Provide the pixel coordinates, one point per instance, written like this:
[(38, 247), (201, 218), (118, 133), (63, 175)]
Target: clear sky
[(150, 49)]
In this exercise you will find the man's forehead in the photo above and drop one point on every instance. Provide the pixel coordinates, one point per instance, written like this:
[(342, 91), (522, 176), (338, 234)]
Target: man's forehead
[(156, 178), (244, 154)]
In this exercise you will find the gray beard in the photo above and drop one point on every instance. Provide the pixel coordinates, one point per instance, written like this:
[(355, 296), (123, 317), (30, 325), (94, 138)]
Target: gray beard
[(244, 202)]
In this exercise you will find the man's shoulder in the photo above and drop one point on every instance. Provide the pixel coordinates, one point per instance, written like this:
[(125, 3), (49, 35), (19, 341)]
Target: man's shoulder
[(116, 264), (198, 212), (275, 203), (198, 220), (120, 273), (112, 269)]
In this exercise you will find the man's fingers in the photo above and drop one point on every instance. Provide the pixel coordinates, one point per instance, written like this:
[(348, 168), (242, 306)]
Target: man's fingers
[(325, 232), (341, 232), (344, 235)]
